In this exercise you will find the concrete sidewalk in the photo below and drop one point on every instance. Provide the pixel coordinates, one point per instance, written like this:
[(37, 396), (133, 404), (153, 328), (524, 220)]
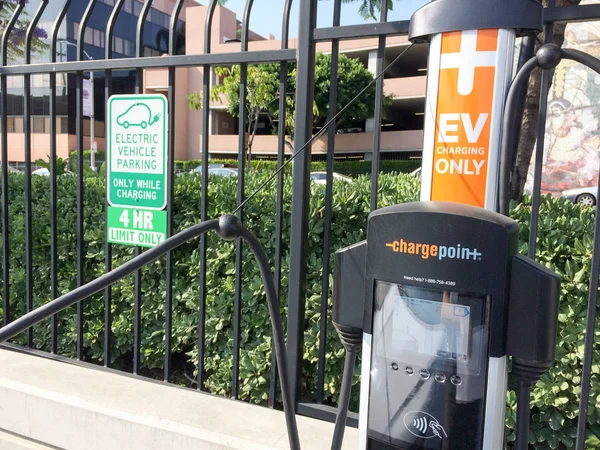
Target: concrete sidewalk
[(74, 408)]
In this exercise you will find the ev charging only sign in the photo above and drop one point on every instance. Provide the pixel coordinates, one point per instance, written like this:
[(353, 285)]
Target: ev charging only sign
[(137, 170), (469, 74)]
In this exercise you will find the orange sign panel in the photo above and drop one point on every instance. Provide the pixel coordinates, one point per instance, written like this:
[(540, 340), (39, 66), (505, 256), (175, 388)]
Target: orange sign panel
[(464, 115)]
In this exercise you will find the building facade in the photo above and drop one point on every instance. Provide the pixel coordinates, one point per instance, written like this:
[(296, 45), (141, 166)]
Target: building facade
[(402, 130), (156, 39), (404, 83)]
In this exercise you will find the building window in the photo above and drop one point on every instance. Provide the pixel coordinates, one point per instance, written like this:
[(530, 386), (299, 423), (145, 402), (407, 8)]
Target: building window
[(62, 125), (14, 124), (131, 46), (40, 81), (148, 51), (137, 8), (39, 124), (118, 45), (99, 38), (14, 82)]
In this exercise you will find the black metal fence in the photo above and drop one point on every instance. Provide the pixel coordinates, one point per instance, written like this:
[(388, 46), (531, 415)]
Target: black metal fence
[(303, 56)]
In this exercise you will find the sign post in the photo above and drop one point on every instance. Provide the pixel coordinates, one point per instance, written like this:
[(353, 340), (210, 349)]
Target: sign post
[(137, 169)]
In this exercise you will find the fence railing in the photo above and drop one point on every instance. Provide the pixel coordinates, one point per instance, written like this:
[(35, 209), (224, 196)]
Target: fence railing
[(289, 259)]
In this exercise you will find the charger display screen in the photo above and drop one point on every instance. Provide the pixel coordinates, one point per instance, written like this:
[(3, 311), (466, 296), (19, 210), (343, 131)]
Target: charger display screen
[(428, 368), (431, 327), (438, 328)]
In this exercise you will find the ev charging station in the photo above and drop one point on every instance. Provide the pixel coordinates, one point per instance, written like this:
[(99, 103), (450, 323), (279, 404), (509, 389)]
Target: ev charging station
[(447, 301), (439, 275), (447, 298)]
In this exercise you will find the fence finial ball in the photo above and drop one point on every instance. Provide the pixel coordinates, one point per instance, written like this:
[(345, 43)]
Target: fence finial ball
[(230, 227), (549, 56)]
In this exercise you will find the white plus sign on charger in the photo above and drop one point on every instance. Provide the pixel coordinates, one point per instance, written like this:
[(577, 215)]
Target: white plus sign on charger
[(467, 60)]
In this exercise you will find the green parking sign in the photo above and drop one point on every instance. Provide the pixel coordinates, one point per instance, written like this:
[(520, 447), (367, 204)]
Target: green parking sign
[(138, 227), (137, 151)]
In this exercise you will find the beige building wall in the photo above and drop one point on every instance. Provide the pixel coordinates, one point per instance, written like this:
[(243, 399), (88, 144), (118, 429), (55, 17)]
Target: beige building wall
[(222, 125), (357, 143), (156, 81), (40, 145), (167, 6)]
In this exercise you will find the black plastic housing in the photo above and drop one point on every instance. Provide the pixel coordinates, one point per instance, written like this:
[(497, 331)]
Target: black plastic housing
[(494, 237), (349, 287), (440, 16), (532, 311)]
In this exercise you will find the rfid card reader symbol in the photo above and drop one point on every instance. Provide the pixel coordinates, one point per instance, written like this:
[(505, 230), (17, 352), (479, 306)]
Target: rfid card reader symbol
[(420, 423), (424, 425)]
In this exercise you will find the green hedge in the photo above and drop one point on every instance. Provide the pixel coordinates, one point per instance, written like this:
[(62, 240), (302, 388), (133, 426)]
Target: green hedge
[(351, 205), (351, 168), (565, 245)]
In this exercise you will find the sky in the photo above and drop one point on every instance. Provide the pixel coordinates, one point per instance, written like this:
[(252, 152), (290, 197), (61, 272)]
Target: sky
[(266, 14)]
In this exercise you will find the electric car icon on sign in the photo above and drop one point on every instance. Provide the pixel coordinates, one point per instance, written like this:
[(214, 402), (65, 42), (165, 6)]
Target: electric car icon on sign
[(138, 115)]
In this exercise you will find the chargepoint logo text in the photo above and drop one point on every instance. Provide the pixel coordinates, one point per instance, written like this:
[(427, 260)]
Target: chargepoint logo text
[(426, 251)]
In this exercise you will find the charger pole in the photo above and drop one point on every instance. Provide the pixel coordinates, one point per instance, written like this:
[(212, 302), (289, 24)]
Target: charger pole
[(470, 68)]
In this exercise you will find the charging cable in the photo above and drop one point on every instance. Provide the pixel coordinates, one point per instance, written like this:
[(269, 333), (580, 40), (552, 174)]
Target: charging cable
[(231, 228), (351, 339), (347, 317), (534, 293), (526, 374)]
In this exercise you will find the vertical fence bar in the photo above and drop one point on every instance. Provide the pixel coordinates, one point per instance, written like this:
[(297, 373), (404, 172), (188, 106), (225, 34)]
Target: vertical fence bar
[(4, 138), (108, 54), (239, 250), (591, 313), (137, 294), (53, 190), (586, 377), (27, 134), (333, 91), (80, 161), (204, 200), (171, 174), (283, 85), (300, 193), (539, 152), (3, 130), (378, 112), (4, 121), (525, 53)]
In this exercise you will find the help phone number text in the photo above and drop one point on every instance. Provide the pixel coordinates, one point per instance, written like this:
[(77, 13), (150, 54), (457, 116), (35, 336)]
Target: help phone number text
[(430, 281)]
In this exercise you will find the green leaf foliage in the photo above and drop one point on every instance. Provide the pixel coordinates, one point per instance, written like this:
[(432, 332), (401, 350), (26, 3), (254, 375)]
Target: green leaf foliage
[(351, 206), (263, 92), (565, 242), (61, 164)]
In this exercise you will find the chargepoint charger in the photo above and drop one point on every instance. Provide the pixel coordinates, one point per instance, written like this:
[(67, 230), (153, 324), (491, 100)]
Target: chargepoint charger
[(440, 299)]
